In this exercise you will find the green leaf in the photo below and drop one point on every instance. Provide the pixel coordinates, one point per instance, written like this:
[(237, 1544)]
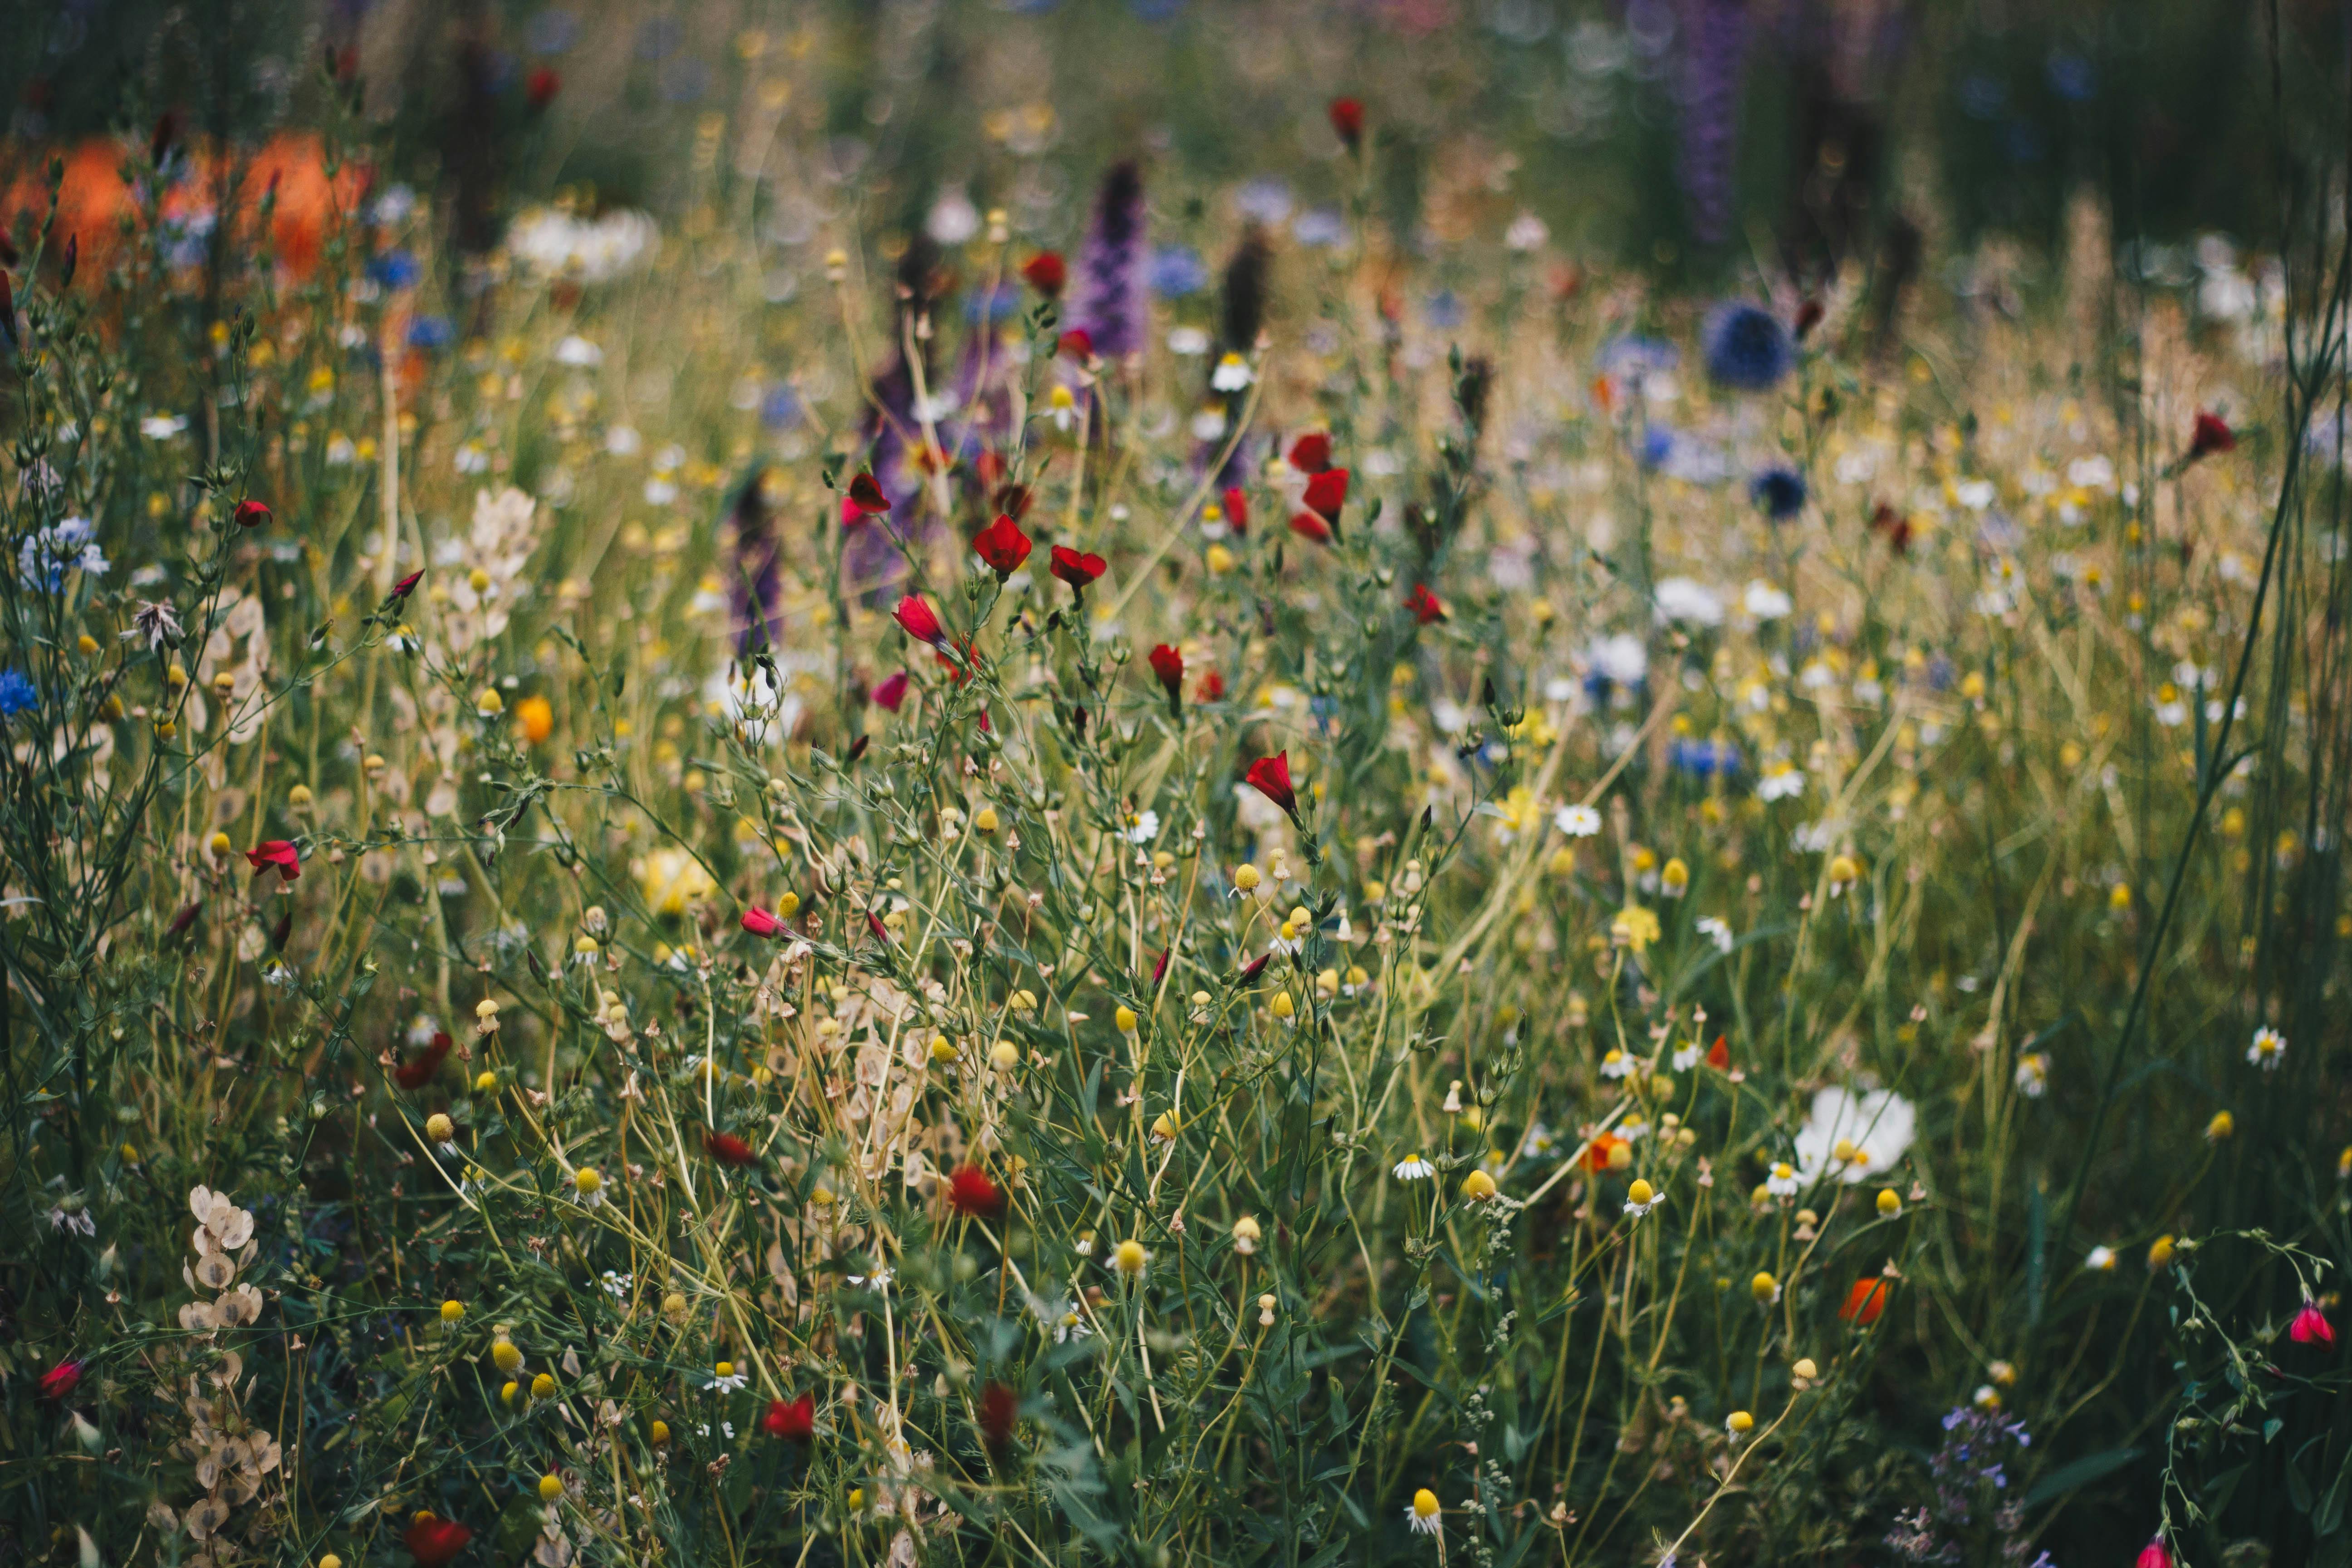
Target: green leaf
[(2079, 1474)]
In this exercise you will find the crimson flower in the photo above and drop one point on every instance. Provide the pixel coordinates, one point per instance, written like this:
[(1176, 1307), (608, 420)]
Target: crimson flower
[(1270, 776), (418, 1070), (728, 1149), (999, 1410), (61, 1379), (1237, 508), (1160, 969), (874, 925), (539, 89), (435, 1542), (920, 620), (252, 514), (1866, 1302), (1424, 605), (1311, 453), (866, 496), (278, 853), (1046, 272), (1077, 569), (794, 1420), (1326, 492), (1211, 690), (407, 585), (1348, 120), (1078, 344), (1307, 525), (892, 692), (1003, 546), (971, 1192), (760, 923), (2311, 1326), (2155, 1554), (1169, 666), (2210, 434), (1253, 968)]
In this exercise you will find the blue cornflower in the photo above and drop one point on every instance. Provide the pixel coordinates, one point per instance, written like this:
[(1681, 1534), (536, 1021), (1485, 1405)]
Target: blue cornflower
[(431, 333), (45, 558), (1746, 348), (1657, 446), (1704, 759), (1176, 270), (394, 269), (17, 693), (1779, 491)]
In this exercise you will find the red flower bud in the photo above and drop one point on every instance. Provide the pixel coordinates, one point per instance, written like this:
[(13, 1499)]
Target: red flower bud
[(407, 585), (760, 923), (918, 620), (418, 1070), (278, 854), (1326, 492), (435, 1542), (1311, 453), (1348, 120), (1866, 1302), (1237, 508), (999, 1411), (1424, 605), (2210, 434), (1270, 776), (866, 496), (1169, 666), (2311, 1326), (540, 87), (1078, 344), (728, 1149), (251, 514), (61, 1380), (1211, 690)]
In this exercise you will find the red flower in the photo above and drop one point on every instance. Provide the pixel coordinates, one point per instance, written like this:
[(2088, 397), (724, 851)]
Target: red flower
[(874, 925), (1348, 120), (1253, 968), (252, 514), (1866, 1302), (1160, 969), (1211, 690), (760, 923), (61, 1379), (538, 90), (1045, 273), (2311, 1326), (1078, 344), (1077, 569), (892, 692), (920, 620), (407, 585), (1307, 525), (1270, 776), (279, 853), (1237, 508), (794, 1420), (418, 1070), (1603, 1146), (1169, 666), (1003, 546), (1326, 492), (2211, 434), (1311, 453), (971, 1192), (435, 1542), (999, 1410), (1718, 1055), (866, 496), (1424, 605), (2155, 1554), (728, 1149)]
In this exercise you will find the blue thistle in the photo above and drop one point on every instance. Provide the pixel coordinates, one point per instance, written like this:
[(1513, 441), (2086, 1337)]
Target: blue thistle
[(1779, 491), (1111, 301), (1715, 48), (1746, 348)]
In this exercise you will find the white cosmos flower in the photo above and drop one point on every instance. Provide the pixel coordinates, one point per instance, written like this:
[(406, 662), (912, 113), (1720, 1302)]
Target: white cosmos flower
[(1879, 1124)]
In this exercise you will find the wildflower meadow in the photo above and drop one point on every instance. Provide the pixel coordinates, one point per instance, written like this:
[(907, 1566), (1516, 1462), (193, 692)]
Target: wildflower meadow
[(1301, 784)]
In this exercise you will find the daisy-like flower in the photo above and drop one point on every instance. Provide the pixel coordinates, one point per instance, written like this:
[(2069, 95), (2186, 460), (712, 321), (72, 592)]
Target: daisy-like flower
[(879, 1279), (726, 1379), (1062, 408), (589, 1183), (1537, 1143), (1413, 1168), (1686, 1056), (1616, 1064), (1423, 1513), (2100, 1260), (1716, 930), (1577, 821), (1641, 1198), (76, 1219), (2268, 1049), (1782, 1182), (1143, 827), (2034, 1074), (617, 1285), (1232, 373)]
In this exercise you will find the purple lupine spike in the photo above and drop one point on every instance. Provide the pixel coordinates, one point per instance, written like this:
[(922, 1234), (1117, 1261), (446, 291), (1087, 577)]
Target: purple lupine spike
[(1110, 302), (755, 568), (1713, 57)]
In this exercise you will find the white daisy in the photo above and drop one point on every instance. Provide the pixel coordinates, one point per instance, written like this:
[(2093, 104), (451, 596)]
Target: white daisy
[(2101, 1259), (2268, 1049), (1716, 931), (1617, 1064), (1413, 1168), (1143, 827), (1232, 373), (1686, 1056), (2034, 1074), (726, 1379), (1577, 821), (1782, 1182), (1423, 1513)]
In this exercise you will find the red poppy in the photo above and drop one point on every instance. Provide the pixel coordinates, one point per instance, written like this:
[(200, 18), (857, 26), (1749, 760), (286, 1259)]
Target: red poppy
[(971, 1192), (919, 619), (1326, 492), (1424, 605), (2311, 1326), (407, 585), (1270, 776), (999, 1410), (1169, 666), (1718, 1055), (2210, 434), (728, 1149), (540, 87), (1311, 453), (61, 1379), (1603, 1146), (1211, 690), (418, 1070), (1077, 569), (1046, 272), (892, 692), (276, 853), (1078, 344), (252, 514), (1237, 508), (793, 1420), (866, 496), (1003, 546), (435, 1542), (1348, 120), (1866, 1302), (1307, 525), (760, 923)]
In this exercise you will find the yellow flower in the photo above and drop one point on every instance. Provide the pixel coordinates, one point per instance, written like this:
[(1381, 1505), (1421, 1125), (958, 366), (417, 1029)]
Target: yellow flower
[(505, 1357), (1477, 1186), (2222, 1125), (671, 878), (451, 1311), (438, 1128), (1890, 1202), (542, 1386), (1804, 1370), (2160, 1253), (550, 1487), (1129, 1258), (1635, 928), (537, 719), (1741, 1424), (1765, 1288)]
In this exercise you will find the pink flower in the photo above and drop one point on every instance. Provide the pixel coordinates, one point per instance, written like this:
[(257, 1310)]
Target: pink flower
[(891, 692), (60, 1380), (2311, 1326), (276, 854), (919, 619), (760, 923), (2155, 1554)]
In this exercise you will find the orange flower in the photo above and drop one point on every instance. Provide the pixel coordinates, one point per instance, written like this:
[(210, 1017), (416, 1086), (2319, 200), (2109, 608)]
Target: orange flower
[(537, 719), (1866, 1302), (1596, 1159)]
